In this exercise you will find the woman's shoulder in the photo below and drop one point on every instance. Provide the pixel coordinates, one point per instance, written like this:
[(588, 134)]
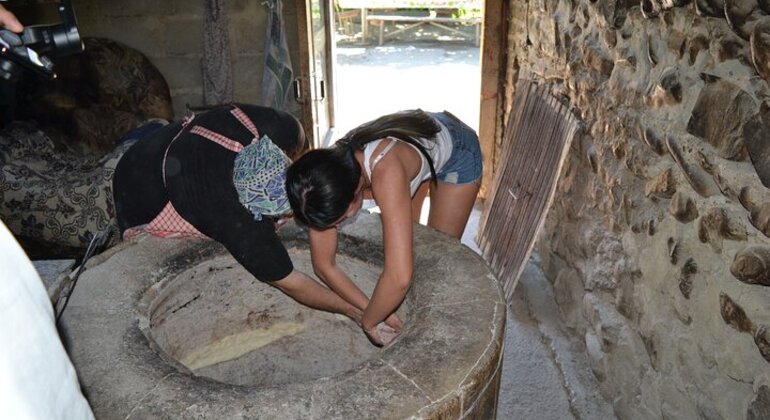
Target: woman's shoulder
[(394, 154)]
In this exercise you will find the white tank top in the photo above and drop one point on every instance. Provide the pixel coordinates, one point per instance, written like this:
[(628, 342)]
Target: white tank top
[(439, 150)]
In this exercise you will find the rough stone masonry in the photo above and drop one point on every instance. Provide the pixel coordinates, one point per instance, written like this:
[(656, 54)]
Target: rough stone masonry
[(657, 244)]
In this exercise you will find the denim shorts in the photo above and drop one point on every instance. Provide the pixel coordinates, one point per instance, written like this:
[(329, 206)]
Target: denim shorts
[(464, 165)]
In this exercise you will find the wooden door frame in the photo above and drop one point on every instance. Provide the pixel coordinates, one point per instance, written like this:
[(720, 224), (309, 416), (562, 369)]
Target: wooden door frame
[(492, 93), (302, 81)]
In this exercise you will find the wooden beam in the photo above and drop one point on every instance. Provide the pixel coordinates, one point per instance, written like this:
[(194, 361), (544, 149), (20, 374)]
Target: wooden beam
[(493, 49), (304, 68)]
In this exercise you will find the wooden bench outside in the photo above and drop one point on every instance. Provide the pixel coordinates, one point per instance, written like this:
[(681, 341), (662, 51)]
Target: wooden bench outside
[(364, 6), (414, 21)]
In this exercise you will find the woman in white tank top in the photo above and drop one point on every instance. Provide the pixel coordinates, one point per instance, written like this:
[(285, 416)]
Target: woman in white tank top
[(394, 160)]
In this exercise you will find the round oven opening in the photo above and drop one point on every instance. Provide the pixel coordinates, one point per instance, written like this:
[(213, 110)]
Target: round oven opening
[(220, 322)]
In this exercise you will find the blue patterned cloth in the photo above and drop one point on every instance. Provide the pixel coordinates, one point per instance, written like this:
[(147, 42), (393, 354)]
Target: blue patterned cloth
[(259, 176), (278, 76)]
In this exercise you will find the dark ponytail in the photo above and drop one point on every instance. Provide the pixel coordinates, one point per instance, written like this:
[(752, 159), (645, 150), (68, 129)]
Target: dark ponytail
[(407, 126)]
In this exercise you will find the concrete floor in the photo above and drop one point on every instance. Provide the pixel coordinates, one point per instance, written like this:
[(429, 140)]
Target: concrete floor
[(546, 374), (377, 80)]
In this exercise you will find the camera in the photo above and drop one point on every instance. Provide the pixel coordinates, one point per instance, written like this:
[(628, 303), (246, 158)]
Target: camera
[(31, 49)]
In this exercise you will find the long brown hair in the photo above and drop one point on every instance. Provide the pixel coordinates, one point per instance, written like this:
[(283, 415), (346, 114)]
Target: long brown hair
[(407, 126)]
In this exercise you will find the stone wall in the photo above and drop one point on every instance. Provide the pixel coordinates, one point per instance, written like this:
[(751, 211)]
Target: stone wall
[(657, 244), (169, 33)]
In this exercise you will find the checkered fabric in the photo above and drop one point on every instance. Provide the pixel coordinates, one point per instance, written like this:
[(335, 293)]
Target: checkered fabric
[(167, 224), (217, 138), (244, 119)]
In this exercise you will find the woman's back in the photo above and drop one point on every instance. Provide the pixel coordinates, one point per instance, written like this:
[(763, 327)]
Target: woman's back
[(438, 150), (323, 182)]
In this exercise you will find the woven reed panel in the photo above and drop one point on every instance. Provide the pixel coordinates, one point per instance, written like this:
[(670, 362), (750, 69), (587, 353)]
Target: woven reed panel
[(539, 132)]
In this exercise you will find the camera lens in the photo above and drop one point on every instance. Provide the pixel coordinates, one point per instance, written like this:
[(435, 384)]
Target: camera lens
[(66, 41)]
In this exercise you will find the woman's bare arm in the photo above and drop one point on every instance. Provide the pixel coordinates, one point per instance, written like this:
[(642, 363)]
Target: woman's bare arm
[(310, 293), (323, 250), (390, 187)]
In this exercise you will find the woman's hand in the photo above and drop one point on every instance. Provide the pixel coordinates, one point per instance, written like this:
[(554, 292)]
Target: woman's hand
[(394, 322), (281, 221), (381, 335)]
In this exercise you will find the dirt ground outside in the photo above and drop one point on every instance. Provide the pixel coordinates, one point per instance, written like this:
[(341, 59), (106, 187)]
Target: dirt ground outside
[(423, 67)]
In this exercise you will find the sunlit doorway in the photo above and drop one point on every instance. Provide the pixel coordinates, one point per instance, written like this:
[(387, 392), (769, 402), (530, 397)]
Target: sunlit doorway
[(421, 58), (428, 60)]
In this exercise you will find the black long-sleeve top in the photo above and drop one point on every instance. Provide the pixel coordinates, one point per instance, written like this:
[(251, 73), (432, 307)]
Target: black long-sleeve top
[(199, 184)]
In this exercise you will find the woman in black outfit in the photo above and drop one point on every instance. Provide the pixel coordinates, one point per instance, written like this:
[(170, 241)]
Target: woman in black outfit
[(220, 175)]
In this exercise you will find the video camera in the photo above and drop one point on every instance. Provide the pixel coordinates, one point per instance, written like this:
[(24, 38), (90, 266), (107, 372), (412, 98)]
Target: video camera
[(26, 50)]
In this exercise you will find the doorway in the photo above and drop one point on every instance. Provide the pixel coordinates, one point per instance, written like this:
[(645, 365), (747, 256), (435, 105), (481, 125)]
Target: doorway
[(422, 66), (386, 66), (355, 67)]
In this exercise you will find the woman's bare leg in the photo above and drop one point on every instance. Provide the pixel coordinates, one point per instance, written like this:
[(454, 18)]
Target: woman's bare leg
[(450, 207), (418, 199)]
